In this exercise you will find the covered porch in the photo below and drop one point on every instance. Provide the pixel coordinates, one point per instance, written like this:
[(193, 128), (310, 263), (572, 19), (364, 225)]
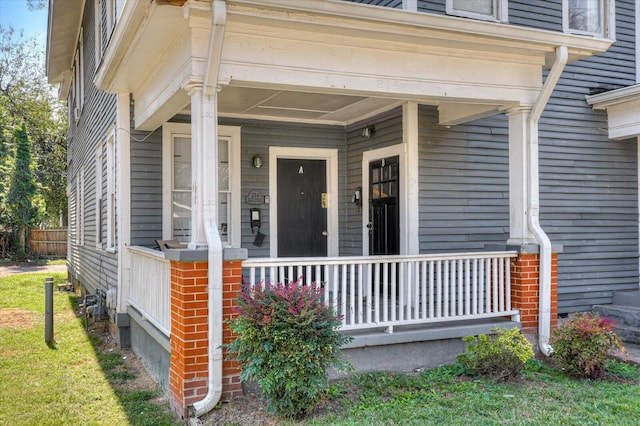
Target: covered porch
[(342, 68)]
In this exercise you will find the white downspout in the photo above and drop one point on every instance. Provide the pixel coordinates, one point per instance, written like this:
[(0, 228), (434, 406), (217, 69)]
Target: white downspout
[(544, 304), (210, 147)]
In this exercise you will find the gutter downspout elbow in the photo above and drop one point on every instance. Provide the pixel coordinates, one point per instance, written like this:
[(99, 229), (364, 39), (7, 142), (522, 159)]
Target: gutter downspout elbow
[(544, 303), (214, 254)]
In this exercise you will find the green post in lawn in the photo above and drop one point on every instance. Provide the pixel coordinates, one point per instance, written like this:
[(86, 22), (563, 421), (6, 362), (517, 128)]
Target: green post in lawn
[(48, 310)]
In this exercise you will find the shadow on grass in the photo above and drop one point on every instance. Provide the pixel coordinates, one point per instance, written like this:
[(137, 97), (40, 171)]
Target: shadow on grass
[(142, 406)]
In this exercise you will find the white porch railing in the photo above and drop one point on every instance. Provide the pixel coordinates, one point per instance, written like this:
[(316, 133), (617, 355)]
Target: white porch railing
[(150, 286), (388, 291)]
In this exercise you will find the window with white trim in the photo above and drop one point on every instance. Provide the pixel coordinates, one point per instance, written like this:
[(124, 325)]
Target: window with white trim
[(76, 93), (111, 191), (105, 19), (81, 215), (181, 189), (589, 17), (486, 10), (99, 194), (177, 158)]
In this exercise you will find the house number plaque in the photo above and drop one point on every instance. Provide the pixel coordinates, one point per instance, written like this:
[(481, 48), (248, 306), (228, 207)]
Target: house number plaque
[(255, 197)]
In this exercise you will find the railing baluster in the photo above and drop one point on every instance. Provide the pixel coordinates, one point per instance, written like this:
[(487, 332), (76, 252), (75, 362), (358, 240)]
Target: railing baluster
[(423, 289), (507, 289), (360, 295), (431, 284), (385, 293), (335, 290), (494, 284), (467, 288), (407, 282), (445, 290), (460, 295), (352, 292), (343, 292), (439, 293), (501, 283), (376, 294)]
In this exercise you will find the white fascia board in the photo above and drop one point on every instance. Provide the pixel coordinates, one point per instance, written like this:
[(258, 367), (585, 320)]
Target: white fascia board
[(614, 97), (63, 29), (623, 111), (131, 22), (448, 29)]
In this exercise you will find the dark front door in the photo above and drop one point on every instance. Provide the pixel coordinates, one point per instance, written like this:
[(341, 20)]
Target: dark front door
[(384, 206), (302, 209)]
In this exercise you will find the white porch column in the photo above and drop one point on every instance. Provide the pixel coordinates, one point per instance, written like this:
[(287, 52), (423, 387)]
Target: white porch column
[(411, 220), (519, 185), (209, 160), (198, 238)]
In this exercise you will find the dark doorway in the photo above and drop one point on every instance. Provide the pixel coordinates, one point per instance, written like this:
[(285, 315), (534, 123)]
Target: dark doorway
[(384, 206), (302, 209)]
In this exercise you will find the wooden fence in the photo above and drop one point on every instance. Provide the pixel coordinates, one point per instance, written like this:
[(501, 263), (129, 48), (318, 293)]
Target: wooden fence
[(48, 242)]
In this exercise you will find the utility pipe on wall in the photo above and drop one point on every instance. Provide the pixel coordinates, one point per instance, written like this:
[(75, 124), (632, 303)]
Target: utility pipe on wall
[(210, 147), (544, 303)]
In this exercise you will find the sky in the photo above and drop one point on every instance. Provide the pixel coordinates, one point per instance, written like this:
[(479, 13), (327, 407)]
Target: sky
[(16, 14)]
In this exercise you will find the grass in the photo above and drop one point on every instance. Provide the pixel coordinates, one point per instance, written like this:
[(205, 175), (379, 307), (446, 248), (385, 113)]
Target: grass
[(70, 382), (443, 396)]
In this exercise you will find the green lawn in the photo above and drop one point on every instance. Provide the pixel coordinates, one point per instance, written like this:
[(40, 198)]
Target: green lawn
[(69, 383), (443, 396)]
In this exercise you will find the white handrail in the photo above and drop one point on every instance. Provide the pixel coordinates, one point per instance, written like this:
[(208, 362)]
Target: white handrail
[(387, 291), (150, 286)]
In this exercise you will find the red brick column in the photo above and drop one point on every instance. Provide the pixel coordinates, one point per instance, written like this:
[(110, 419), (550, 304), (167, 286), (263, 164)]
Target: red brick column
[(188, 372), (525, 294), (231, 287), (189, 334)]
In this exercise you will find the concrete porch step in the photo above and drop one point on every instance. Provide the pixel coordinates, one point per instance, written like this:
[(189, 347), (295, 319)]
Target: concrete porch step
[(627, 298), (623, 314), (628, 334), (628, 318)]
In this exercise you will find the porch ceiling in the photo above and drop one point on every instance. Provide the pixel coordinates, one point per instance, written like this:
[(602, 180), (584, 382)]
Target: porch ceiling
[(327, 61)]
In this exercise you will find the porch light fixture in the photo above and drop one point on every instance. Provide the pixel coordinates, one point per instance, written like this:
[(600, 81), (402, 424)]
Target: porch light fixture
[(256, 161), (368, 131)]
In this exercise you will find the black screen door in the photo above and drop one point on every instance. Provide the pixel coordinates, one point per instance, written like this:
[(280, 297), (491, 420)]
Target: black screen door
[(384, 206), (302, 212)]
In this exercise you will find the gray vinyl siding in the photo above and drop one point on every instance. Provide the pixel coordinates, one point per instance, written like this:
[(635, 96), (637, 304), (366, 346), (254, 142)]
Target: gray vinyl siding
[(589, 184), (540, 14), (257, 137), (464, 184), (146, 187), (388, 133), (95, 268)]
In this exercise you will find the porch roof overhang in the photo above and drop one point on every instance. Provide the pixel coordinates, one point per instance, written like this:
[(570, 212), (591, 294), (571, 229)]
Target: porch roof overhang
[(328, 61), (623, 111), (63, 29)]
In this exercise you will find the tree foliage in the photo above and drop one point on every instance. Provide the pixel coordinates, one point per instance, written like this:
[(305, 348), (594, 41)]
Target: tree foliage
[(32, 136)]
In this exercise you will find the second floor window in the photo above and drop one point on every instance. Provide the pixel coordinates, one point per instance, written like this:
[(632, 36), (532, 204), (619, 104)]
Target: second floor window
[(487, 10), (589, 17)]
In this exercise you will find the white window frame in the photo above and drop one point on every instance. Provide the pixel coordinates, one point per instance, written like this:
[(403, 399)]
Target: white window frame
[(233, 135), (500, 7), (99, 193), (77, 86), (608, 30), (80, 207), (111, 190), (97, 29)]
